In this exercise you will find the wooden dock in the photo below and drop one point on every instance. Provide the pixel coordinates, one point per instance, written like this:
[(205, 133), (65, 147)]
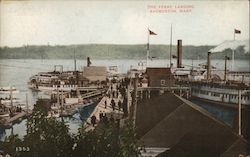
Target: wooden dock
[(9, 121), (93, 93), (100, 108)]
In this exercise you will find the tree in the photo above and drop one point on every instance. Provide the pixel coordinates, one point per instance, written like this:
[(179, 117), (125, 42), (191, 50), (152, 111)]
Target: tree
[(108, 141), (50, 137), (47, 135)]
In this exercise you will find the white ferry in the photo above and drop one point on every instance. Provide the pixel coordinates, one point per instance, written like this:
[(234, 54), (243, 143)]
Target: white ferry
[(224, 87), (223, 94)]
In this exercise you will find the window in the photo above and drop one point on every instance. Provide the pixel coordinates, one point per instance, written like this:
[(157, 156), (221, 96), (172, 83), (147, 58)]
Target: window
[(204, 92), (215, 94), (163, 82)]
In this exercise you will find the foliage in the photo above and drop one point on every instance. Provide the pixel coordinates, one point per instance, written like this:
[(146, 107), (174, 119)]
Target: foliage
[(109, 51), (108, 141), (51, 138)]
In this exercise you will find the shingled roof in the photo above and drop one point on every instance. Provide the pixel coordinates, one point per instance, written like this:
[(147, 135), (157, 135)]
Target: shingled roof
[(158, 71), (168, 121)]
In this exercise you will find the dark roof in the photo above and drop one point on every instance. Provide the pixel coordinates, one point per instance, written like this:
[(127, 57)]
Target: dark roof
[(157, 71), (187, 129), (151, 111), (44, 102)]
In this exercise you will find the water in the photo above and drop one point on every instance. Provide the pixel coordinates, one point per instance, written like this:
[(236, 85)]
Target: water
[(16, 72), (224, 114)]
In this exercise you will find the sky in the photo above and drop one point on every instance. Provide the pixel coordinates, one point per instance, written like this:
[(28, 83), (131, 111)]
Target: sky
[(121, 22)]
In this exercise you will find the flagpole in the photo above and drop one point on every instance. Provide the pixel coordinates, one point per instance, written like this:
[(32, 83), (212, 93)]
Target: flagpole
[(232, 66), (234, 34), (147, 49), (170, 47)]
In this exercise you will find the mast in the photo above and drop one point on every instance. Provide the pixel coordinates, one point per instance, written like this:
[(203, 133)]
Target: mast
[(11, 97), (75, 60), (239, 95), (225, 70), (170, 48), (27, 106), (208, 66), (134, 103), (232, 66), (147, 48)]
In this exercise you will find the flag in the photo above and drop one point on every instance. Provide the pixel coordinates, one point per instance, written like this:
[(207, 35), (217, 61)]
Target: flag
[(174, 56), (236, 31), (151, 32)]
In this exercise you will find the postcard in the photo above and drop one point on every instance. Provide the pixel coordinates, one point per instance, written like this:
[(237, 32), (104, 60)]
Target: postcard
[(126, 78)]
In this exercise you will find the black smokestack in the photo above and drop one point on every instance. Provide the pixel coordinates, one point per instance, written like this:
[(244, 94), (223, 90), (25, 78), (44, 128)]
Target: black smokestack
[(88, 62), (179, 54)]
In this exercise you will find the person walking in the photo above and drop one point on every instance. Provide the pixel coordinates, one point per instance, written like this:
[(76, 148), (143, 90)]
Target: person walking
[(113, 104)]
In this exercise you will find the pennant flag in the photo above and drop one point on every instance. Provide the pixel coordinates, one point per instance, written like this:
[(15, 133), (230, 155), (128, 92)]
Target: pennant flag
[(151, 32), (174, 56), (236, 31), (152, 57), (227, 58)]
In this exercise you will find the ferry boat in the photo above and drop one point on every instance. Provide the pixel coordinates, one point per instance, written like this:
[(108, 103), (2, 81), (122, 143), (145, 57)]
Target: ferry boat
[(215, 90), (220, 93), (223, 87), (66, 81), (69, 80)]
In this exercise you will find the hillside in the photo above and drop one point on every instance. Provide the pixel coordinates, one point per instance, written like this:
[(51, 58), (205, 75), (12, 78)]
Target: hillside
[(106, 51)]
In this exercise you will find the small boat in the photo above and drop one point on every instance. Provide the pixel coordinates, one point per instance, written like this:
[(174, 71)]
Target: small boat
[(4, 112), (8, 100), (8, 90)]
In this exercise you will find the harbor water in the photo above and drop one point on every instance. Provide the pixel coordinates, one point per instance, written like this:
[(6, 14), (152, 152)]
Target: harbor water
[(16, 72)]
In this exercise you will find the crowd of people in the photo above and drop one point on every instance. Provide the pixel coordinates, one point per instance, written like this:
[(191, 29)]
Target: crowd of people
[(119, 102)]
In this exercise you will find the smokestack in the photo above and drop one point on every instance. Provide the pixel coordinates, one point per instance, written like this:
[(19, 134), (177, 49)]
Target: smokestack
[(88, 62), (179, 54), (225, 70), (208, 65)]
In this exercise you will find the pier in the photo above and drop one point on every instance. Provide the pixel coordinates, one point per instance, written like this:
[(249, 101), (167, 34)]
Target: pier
[(107, 109), (9, 121), (182, 91)]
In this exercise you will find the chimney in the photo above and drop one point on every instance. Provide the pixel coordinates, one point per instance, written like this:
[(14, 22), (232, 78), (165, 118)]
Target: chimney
[(179, 54)]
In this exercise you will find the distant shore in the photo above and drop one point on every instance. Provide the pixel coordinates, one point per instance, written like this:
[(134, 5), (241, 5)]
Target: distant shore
[(109, 51)]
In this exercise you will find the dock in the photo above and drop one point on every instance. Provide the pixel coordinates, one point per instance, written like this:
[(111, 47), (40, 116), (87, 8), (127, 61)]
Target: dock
[(100, 108), (69, 111), (9, 121)]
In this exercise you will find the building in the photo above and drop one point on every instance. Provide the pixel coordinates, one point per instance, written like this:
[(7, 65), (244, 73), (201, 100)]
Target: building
[(95, 73), (159, 77), (171, 126)]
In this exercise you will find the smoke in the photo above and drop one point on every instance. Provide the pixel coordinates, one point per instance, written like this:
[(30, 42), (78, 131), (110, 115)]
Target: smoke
[(231, 44)]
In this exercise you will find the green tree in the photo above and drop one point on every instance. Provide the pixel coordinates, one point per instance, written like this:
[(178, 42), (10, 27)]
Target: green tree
[(10, 145), (50, 137), (108, 141), (47, 135)]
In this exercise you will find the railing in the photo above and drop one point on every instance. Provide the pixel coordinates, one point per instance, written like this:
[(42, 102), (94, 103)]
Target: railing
[(91, 94), (163, 88)]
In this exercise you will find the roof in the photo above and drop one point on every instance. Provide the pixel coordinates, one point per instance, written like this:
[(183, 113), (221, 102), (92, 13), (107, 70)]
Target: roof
[(95, 71), (188, 130), (158, 71)]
